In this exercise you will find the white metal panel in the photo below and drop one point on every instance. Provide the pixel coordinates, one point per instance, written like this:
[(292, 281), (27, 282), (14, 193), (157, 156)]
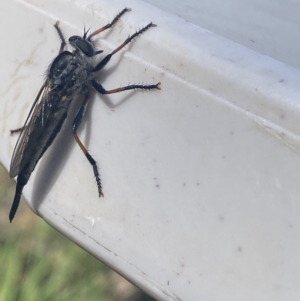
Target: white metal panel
[(201, 179)]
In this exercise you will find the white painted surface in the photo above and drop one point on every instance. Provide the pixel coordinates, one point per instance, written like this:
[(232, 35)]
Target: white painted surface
[(268, 27), (201, 179)]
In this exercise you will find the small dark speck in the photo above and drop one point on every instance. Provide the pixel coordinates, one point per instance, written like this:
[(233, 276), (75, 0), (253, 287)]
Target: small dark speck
[(154, 178), (168, 283), (221, 218), (291, 226), (112, 110), (157, 185), (240, 249), (252, 41), (196, 106), (223, 157), (282, 80), (183, 184), (198, 184), (189, 282), (154, 161)]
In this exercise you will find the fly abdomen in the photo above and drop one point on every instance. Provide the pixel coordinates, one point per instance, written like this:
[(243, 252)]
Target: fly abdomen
[(21, 182)]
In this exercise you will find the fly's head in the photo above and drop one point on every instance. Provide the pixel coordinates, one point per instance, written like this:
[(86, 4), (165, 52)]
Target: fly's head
[(82, 44)]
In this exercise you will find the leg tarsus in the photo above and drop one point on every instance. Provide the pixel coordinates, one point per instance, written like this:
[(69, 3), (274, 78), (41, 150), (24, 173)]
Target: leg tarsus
[(92, 162), (109, 25), (99, 88), (132, 37), (76, 123), (18, 130)]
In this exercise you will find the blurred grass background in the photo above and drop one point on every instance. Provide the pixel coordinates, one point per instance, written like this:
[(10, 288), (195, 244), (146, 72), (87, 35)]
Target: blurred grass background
[(38, 263)]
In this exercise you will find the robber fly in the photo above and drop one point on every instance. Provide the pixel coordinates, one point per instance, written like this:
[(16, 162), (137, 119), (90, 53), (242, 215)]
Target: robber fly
[(71, 74)]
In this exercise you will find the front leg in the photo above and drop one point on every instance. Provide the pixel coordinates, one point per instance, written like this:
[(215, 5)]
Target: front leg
[(63, 41)]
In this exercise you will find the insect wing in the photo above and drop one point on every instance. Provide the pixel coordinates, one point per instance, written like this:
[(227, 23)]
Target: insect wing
[(17, 161)]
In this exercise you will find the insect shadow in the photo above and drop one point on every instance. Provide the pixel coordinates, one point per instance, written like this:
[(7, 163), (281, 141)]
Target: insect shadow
[(57, 156)]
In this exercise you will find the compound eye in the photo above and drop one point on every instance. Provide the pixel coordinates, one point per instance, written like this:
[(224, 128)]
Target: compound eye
[(73, 40), (85, 46)]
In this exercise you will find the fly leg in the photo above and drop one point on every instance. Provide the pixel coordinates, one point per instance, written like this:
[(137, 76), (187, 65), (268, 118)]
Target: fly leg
[(63, 41), (18, 130), (109, 25), (101, 90), (103, 63), (75, 126)]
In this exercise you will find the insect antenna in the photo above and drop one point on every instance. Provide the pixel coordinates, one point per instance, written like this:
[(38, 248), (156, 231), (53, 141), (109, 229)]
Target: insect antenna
[(85, 32)]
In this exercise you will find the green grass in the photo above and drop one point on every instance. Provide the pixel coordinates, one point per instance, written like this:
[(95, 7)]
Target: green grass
[(38, 263)]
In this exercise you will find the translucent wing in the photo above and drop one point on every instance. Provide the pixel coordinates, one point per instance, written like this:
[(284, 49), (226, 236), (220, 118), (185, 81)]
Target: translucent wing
[(18, 161)]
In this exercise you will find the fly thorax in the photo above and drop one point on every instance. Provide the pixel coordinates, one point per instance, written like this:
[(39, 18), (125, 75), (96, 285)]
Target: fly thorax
[(61, 69)]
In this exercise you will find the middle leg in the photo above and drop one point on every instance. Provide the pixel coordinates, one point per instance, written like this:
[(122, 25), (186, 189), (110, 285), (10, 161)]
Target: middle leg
[(63, 41)]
